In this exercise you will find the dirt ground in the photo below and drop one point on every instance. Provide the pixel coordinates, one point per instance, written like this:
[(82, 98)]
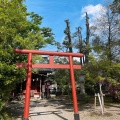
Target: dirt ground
[(86, 111), (111, 111)]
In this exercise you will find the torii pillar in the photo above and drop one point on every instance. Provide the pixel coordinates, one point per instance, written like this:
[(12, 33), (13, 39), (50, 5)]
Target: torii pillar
[(51, 64)]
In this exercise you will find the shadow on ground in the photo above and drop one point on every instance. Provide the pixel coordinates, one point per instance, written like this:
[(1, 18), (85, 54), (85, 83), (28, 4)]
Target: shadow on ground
[(57, 113)]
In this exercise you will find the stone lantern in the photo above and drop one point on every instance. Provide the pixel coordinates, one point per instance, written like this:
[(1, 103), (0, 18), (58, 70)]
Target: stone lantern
[(82, 82)]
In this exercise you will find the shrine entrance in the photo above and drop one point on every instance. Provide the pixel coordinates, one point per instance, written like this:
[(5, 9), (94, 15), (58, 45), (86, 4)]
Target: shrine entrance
[(51, 64)]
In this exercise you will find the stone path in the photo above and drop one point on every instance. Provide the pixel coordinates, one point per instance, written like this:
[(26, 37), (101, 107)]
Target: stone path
[(50, 111)]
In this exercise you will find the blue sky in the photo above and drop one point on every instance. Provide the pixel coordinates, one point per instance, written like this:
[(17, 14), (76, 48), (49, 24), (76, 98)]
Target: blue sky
[(54, 12)]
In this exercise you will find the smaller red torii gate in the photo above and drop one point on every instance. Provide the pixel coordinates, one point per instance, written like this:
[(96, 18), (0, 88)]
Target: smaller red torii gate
[(51, 64)]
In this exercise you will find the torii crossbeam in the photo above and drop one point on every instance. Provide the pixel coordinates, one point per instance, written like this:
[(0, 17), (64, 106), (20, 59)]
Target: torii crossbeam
[(51, 64)]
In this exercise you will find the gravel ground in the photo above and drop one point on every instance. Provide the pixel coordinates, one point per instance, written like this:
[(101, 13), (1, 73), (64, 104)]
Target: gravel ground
[(86, 111), (111, 112)]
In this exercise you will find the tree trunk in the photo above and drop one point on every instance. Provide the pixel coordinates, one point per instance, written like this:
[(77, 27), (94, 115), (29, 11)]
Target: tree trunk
[(67, 32), (87, 38)]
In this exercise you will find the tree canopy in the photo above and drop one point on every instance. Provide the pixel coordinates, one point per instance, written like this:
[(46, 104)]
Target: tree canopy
[(18, 29), (104, 51), (116, 6)]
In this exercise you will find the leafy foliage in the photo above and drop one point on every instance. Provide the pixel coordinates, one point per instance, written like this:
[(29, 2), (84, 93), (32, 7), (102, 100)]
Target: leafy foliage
[(116, 6), (63, 80), (18, 29), (105, 44)]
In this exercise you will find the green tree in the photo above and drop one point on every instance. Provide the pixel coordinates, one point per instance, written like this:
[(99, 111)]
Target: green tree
[(115, 6), (83, 45), (62, 76), (107, 41), (87, 51), (63, 80), (67, 42), (78, 42), (18, 29), (106, 47)]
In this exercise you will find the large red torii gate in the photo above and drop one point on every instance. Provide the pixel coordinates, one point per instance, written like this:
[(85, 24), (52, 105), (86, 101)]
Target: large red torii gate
[(51, 64)]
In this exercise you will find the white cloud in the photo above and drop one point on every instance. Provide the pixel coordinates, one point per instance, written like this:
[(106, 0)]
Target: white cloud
[(94, 12)]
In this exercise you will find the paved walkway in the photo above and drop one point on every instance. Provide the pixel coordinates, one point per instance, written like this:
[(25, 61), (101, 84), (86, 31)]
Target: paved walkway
[(50, 110)]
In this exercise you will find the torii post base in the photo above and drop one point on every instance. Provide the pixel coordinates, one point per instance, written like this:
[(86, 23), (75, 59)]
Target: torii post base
[(76, 116), (25, 119)]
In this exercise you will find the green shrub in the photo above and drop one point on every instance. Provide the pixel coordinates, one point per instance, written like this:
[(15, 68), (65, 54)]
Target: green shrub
[(84, 98)]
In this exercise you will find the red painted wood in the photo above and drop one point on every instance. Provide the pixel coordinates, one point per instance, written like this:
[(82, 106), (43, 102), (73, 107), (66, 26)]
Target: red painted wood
[(51, 64), (73, 86), (28, 86), (62, 66), (51, 60), (40, 52)]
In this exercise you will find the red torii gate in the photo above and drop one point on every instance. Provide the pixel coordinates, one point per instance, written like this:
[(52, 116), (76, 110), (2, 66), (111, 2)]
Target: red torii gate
[(51, 64)]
